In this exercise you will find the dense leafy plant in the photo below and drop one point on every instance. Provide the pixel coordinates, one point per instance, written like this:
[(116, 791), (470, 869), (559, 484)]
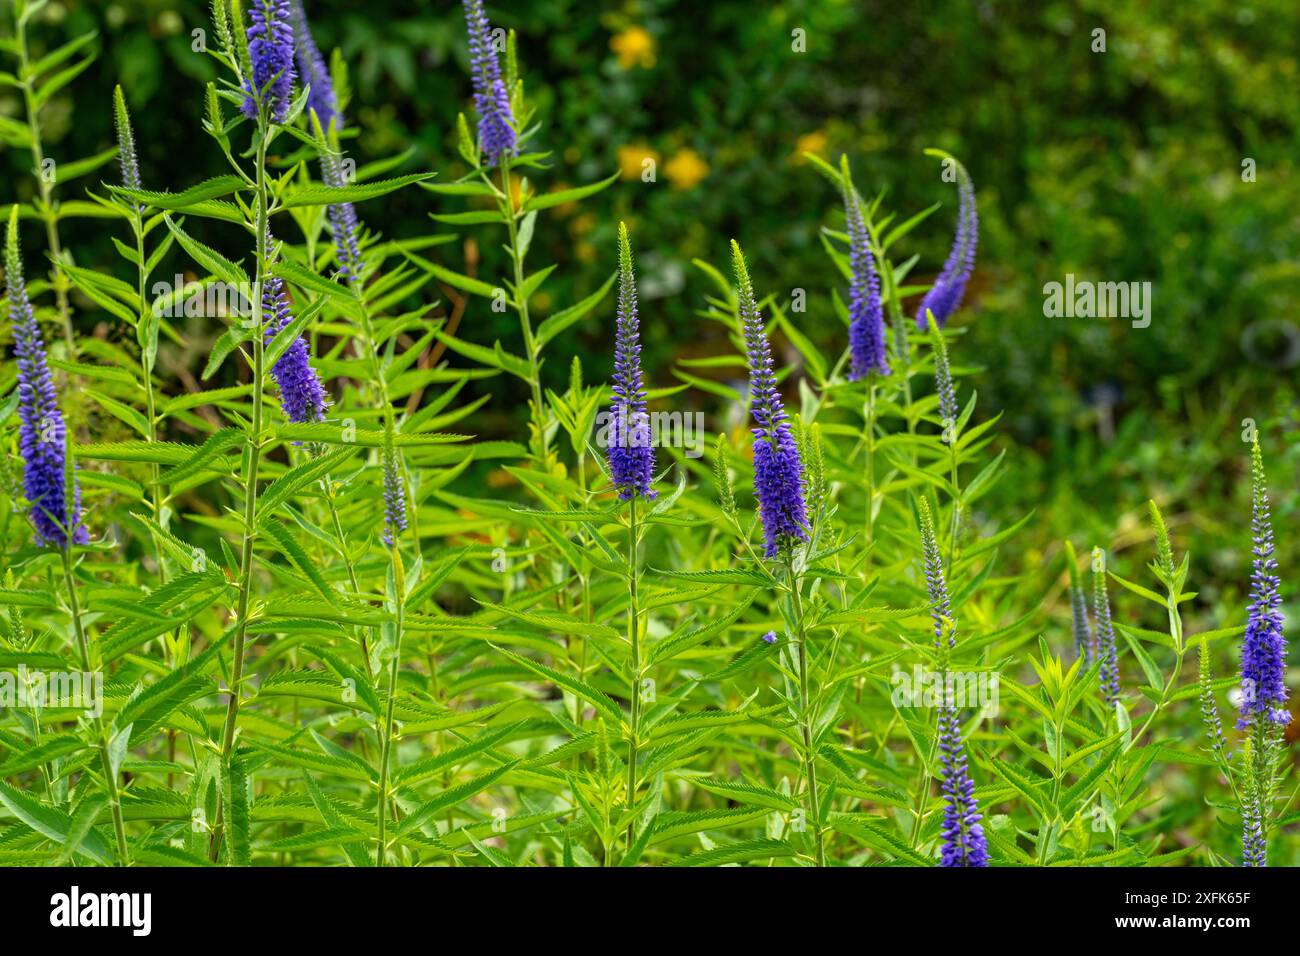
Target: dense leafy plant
[(310, 635)]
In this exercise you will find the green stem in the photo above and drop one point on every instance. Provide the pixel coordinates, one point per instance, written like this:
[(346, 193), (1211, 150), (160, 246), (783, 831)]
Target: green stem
[(634, 638), (386, 739), (955, 524), (521, 305), (871, 468), (341, 541), (106, 762), (250, 487), (806, 719)]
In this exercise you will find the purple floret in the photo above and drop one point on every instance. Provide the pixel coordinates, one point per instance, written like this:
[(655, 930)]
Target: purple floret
[(866, 316), (270, 50), (42, 435), (1263, 649), (496, 133), (778, 470), (946, 294), (631, 453)]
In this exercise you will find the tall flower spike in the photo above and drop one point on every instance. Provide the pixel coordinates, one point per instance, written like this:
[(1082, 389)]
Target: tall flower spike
[(946, 294), (964, 843), (1082, 629), (1105, 646), (778, 471), (126, 154), (866, 316), (935, 583), (270, 51), (1209, 709), (42, 436), (1164, 550), (631, 455), (1079, 609), (301, 394), (1263, 649), (943, 383), (1254, 844), (394, 492), (496, 133), (313, 70), (342, 216)]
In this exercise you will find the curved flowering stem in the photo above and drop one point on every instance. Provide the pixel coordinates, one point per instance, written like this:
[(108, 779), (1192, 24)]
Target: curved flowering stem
[(949, 287), (948, 412)]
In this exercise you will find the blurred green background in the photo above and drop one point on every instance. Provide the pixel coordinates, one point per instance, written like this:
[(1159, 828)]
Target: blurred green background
[(1122, 165)]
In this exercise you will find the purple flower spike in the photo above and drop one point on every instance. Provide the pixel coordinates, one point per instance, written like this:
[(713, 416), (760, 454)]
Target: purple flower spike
[(964, 843), (631, 454), (270, 49), (126, 154), (42, 436), (769, 637), (343, 221), (946, 294), (394, 496), (1082, 629), (313, 70), (778, 470), (322, 99), (1104, 638), (496, 133), (1263, 649), (866, 317), (1254, 844), (935, 583), (301, 394)]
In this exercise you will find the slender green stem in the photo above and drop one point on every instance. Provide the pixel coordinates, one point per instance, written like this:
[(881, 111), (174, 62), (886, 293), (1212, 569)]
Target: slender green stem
[(634, 638), (806, 718), (106, 762), (386, 739), (250, 485), (1180, 650), (955, 525), (521, 305), (341, 541), (870, 469)]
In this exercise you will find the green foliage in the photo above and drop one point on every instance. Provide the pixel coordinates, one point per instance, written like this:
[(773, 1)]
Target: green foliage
[(534, 672)]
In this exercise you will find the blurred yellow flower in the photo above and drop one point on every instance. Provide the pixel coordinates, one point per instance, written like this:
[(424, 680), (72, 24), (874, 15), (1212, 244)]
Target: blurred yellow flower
[(582, 225), (814, 142), (633, 47), (631, 159), (685, 169)]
